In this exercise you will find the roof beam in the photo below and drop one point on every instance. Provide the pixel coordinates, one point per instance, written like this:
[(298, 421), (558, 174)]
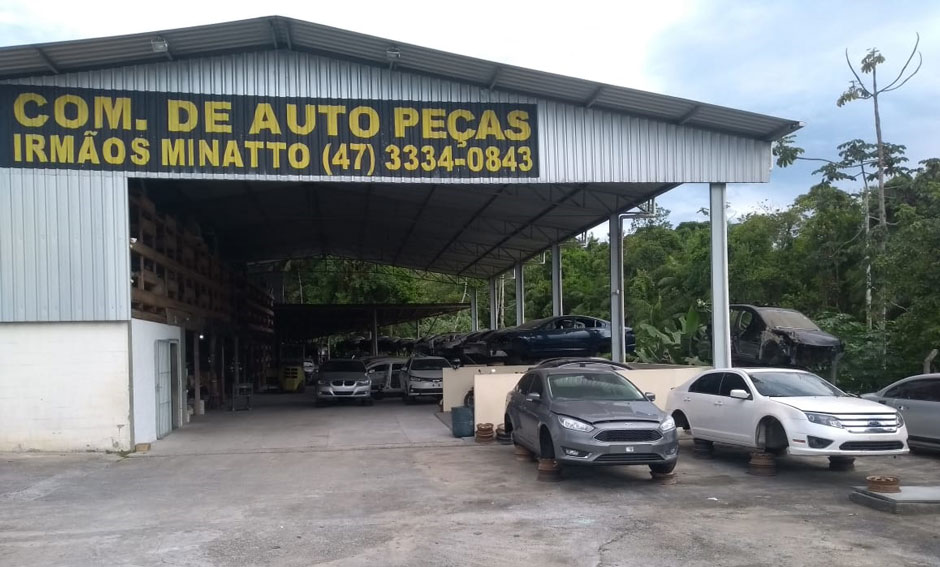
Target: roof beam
[(689, 115), (494, 77), (596, 95), (531, 222), (287, 35), (411, 229), (47, 61), (273, 24), (476, 214)]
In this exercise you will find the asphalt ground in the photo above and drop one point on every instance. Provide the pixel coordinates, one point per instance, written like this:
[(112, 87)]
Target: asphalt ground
[(290, 484)]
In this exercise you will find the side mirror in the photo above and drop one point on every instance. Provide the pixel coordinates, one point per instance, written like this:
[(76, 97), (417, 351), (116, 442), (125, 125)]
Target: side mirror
[(533, 397), (740, 394), (650, 396)]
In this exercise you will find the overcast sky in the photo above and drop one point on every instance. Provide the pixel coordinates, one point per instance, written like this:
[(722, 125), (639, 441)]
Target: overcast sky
[(779, 58)]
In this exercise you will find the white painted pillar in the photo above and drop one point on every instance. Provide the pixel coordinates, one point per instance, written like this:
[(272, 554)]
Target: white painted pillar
[(557, 303), (721, 325), (474, 314), (520, 295), (494, 307), (617, 347)]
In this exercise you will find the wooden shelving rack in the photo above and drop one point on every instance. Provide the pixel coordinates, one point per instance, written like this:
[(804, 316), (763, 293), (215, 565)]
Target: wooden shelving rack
[(175, 277)]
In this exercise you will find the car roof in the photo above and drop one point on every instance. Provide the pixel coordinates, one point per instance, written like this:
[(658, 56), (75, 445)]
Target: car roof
[(384, 360), (567, 370)]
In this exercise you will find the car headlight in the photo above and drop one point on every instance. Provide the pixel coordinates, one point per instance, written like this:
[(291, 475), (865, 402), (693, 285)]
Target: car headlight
[(363, 382), (668, 424), (823, 419), (900, 420), (574, 424)]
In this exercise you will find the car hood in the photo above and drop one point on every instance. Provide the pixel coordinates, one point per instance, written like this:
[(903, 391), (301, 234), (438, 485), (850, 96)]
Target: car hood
[(342, 376), (829, 404), (427, 374), (593, 411), (810, 337)]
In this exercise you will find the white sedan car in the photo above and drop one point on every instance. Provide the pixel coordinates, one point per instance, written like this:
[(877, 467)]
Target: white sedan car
[(782, 410)]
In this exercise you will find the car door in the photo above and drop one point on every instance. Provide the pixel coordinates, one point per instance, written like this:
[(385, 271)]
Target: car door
[(736, 419), (532, 411), (919, 402), (516, 408), (378, 375), (748, 337), (700, 405), (395, 378)]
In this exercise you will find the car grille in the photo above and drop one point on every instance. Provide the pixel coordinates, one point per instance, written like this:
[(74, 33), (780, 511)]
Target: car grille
[(339, 383), (342, 393), (628, 458), (628, 435), (886, 422), (872, 446)]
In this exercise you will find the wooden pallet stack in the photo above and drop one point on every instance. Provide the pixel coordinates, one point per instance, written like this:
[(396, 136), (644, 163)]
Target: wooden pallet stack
[(175, 276)]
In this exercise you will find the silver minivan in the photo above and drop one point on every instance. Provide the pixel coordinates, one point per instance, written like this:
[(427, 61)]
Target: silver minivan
[(385, 376)]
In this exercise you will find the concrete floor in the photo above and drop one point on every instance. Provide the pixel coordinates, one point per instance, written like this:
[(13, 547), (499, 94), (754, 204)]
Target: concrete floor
[(279, 488)]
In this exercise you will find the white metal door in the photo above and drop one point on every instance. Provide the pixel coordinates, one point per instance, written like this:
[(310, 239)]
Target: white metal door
[(164, 377)]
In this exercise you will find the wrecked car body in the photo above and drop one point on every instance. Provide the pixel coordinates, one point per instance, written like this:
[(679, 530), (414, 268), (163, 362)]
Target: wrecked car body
[(774, 336)]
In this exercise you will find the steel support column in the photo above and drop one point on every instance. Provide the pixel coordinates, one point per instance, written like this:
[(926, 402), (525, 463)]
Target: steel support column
[(721, 325), (474, 315), (494, 306), (236, 377), (375, 332), (520, 294), (557, 304), (617, 347), (197, 375)]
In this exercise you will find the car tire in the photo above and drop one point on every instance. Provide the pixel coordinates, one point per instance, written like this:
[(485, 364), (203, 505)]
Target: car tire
[(546, 445), (663, 468)]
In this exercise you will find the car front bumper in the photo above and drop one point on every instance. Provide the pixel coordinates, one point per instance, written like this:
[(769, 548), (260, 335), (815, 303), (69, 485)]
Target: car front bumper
[(844, 443), (593, 451), (425, 389), (338, 392)]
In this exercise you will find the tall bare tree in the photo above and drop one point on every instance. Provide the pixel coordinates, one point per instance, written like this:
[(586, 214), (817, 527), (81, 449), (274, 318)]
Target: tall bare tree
[(858, 90)]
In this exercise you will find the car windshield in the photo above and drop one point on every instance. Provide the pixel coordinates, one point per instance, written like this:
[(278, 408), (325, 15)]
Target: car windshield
[(343, 366), (787, 319), (792, 384), (429, 364), (593, 386)]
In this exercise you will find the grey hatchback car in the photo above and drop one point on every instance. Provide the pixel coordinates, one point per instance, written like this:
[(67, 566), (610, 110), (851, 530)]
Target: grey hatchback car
[(590, 416)]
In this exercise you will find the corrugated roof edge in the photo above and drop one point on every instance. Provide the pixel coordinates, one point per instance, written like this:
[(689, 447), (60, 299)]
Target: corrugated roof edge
[(272, 31)]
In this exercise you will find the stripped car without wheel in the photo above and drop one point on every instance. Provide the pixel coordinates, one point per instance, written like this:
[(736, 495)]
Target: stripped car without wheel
[(783, 410), (590, 416)]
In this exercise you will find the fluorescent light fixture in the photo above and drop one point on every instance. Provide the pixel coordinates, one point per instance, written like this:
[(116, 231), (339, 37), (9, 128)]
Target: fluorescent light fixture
[(159, 45)]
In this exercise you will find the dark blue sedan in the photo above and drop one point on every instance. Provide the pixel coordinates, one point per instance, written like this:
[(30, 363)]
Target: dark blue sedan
[(567, 335)]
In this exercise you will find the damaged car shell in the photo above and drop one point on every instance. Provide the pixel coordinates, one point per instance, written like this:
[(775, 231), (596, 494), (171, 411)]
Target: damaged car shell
[(779, 337)]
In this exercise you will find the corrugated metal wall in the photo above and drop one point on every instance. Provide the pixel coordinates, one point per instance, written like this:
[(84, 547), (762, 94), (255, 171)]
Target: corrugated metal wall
[(64, 234), (64, 250)]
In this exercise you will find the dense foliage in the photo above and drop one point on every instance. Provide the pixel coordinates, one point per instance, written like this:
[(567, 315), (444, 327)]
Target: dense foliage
[(810, 256)]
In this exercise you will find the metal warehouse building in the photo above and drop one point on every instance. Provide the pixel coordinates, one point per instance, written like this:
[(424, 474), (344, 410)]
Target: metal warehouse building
[(140, 175)]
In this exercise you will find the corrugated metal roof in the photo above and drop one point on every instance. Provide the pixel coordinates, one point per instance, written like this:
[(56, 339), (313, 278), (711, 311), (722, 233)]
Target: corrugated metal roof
[(278, 32)]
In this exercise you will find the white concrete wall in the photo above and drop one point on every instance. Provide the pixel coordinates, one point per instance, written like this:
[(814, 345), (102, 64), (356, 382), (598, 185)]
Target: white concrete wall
[(459, 381), (64, 387), (144, 335), (490, 390)]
